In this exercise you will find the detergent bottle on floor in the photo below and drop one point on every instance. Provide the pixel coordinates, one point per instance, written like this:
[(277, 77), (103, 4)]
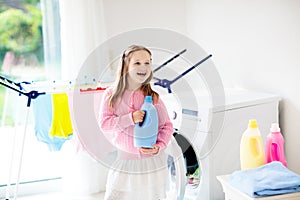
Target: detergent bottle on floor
[(274, 148), (251, 147), (145, 133)]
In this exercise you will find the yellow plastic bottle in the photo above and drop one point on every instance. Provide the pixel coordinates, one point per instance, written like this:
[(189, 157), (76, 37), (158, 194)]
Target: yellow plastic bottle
[(251, 147)]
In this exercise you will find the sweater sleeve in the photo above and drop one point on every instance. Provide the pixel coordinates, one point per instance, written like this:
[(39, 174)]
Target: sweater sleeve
[(109, 121), (165, 127)]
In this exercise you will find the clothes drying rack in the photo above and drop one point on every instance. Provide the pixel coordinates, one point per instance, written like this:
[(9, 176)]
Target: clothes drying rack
[(68, 85), (17, 87), (21, 89)]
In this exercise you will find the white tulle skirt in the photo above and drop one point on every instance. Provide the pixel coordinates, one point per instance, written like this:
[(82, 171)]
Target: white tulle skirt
[(141, 179)]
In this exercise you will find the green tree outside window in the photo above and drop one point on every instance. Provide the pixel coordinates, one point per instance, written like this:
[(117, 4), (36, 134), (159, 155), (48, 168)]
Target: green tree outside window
[(20, 32)]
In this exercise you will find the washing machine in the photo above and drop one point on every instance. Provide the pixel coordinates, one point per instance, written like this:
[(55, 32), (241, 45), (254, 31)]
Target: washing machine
[(213, 131)]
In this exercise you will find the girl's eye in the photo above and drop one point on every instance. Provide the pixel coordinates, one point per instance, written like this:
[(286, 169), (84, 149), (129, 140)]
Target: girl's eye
[(139, 63)]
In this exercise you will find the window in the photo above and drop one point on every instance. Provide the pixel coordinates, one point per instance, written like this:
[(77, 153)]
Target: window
[(29, 50)]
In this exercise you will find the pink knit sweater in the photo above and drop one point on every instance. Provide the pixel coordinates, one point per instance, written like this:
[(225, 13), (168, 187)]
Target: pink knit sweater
[(118, 126)]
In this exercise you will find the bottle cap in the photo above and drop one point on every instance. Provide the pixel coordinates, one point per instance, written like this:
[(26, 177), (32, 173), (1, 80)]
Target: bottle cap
[(252, 124), (148, 99), (275, 127)]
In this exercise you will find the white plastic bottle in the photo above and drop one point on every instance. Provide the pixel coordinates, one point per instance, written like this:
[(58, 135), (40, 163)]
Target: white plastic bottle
[(251, 147)]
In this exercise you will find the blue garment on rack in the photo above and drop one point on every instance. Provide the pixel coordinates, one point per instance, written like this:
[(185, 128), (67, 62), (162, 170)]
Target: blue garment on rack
[(42, 110), (270, 179)]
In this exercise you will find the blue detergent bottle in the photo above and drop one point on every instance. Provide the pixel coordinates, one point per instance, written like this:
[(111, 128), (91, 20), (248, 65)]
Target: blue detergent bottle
[(145, 133)]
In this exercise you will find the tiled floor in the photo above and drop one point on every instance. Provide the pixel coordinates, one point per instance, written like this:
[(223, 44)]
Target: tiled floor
[(60, 196), (171, 195)]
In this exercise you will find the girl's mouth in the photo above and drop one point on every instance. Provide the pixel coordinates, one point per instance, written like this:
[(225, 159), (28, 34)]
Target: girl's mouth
[(141, 73)]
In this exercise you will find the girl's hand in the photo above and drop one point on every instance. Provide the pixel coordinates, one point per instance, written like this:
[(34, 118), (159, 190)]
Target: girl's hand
[(138, 116), (149, 150)]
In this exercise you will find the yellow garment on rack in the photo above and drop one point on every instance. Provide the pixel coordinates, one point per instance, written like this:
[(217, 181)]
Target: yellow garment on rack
[(61, 120)]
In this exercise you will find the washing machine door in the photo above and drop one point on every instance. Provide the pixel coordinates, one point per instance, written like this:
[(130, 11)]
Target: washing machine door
[(174, 150)]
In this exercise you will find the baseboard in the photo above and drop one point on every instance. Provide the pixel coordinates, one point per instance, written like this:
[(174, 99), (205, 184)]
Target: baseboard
[(32, 188)]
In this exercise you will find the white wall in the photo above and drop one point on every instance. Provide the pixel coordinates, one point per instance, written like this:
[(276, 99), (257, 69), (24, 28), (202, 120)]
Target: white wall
[(86, 24), (255, 45), (121, 16)]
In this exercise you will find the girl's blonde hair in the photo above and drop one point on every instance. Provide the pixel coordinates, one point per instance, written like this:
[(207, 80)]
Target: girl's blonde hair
[(120, 82)]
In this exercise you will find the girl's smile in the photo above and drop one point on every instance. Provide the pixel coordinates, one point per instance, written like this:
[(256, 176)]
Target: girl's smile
[(141, 73)]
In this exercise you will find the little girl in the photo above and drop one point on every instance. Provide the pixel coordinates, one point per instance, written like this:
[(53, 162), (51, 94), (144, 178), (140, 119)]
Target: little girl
[(138, 173)]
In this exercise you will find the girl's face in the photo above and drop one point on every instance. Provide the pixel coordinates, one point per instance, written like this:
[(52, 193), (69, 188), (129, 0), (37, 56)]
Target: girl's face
[(139, 68)]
